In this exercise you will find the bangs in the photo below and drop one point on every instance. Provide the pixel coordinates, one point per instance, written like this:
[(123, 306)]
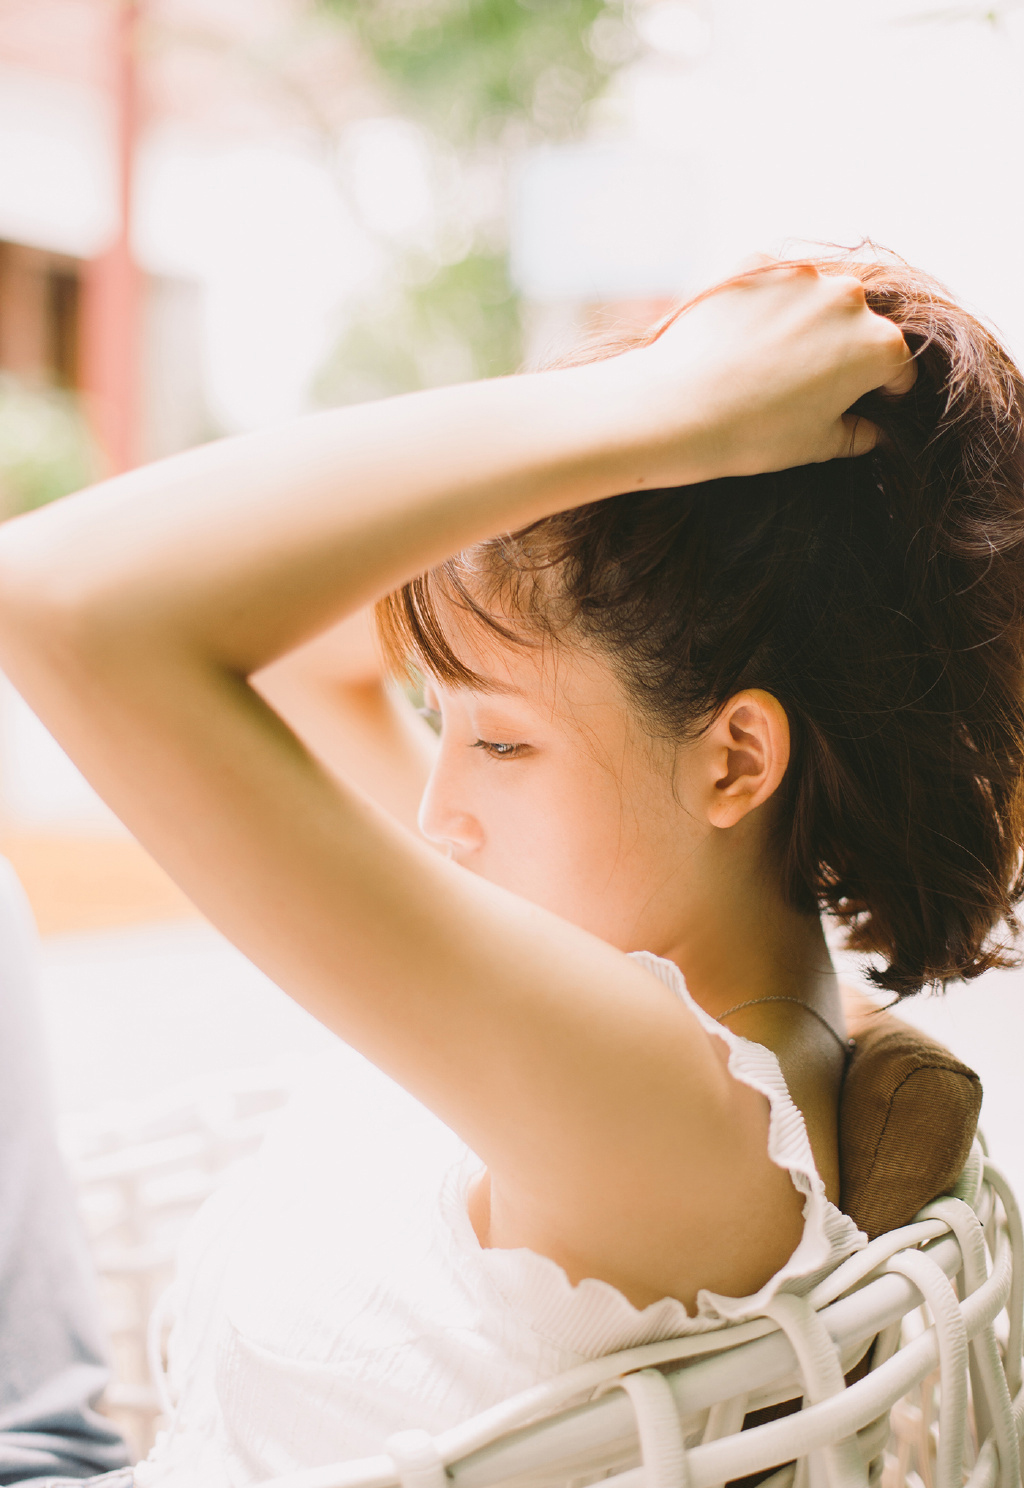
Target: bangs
[(414, 622)]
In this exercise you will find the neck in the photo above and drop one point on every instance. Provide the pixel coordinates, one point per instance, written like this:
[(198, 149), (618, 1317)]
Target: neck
[(738, 946)]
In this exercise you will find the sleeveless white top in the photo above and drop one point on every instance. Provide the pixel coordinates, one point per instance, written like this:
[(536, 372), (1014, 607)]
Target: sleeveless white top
[(327, 1298)]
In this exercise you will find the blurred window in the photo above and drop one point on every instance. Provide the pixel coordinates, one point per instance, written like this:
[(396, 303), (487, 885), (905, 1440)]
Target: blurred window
[(40, 299), (64, 308)]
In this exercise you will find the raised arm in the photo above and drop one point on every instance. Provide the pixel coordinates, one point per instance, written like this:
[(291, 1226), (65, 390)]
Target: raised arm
[(134, 615), (335, 696), (247, 547)]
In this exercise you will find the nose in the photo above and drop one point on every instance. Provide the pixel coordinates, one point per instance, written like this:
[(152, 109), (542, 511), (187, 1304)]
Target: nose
[(443, 817)]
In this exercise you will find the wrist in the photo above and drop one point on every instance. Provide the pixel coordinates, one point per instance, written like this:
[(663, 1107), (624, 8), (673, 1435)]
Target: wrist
[(650, 426)]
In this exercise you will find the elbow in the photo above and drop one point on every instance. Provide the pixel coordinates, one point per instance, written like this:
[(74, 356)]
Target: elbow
[(47, 602)]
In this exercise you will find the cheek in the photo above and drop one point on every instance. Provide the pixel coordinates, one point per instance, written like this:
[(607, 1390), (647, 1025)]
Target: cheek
[(562, 838), (615, 855)]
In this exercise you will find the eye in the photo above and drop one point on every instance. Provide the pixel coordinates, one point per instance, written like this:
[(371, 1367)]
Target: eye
[(501, 751)]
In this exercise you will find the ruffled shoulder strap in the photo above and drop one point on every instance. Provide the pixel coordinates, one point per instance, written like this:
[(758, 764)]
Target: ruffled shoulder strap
[(591, 1317), (828, 1235)]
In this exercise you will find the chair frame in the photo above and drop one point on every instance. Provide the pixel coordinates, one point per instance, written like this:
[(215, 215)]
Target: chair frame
[(935, 1309), (670, 1414)]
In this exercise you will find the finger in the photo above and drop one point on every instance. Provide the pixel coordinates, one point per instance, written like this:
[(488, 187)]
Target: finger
[(855, 436), (904, 376), (756, 266)]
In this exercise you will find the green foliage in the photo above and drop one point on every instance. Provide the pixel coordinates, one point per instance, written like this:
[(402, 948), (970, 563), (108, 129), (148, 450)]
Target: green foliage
[(468, 67), (459, 322), (476, 74), (45, 449)]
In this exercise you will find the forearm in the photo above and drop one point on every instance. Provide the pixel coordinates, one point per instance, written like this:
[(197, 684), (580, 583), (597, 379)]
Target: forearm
[(333, 695), (244, 548)]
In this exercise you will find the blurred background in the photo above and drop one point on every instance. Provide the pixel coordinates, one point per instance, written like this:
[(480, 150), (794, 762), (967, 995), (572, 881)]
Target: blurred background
[(215, 214)]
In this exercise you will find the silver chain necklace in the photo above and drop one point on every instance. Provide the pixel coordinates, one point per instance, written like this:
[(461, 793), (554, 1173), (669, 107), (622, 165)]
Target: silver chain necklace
[(847, 1045)]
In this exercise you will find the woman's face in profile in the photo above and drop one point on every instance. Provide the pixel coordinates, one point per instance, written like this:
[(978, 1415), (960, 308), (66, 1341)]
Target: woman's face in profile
[(547, 784)]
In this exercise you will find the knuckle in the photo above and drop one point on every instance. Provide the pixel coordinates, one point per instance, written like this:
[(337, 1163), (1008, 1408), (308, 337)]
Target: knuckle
[(803, 273), (849, 290), (790, 273), (891, 336)]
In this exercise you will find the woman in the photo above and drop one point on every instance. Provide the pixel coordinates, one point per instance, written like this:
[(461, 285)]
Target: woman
[(675, 724)]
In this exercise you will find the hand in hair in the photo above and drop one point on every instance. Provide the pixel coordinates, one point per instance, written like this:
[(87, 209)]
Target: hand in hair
[(779, 355)]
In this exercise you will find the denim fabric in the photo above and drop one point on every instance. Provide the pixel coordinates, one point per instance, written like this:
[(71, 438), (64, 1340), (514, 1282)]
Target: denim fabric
[(53, 1363)]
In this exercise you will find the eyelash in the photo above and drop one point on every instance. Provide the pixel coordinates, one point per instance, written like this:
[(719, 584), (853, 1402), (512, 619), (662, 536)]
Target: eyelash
[(500, 751), (496, 750)]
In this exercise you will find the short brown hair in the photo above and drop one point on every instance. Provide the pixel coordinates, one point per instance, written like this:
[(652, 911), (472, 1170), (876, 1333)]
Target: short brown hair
[(880, 599)]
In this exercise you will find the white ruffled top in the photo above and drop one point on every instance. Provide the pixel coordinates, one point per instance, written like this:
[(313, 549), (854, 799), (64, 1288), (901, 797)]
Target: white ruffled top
[(335, 1291)]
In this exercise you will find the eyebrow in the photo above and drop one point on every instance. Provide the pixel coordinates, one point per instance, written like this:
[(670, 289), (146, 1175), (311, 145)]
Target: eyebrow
[(482, 682), (486, 683)]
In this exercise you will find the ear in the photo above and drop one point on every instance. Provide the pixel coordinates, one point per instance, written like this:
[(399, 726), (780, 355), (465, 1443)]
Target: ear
[(746, 751)]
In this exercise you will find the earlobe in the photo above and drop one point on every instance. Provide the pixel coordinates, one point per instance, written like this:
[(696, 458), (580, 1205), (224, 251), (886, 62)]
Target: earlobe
[(748, 755)]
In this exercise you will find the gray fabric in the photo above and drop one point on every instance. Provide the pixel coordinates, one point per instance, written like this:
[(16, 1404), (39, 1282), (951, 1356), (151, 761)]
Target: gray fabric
[(122, 1478), (53, 1363)]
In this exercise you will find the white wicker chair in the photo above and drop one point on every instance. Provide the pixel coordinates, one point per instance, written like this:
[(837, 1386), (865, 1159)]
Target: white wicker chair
[(142, 1171), (932, 1311), (935, 1309)]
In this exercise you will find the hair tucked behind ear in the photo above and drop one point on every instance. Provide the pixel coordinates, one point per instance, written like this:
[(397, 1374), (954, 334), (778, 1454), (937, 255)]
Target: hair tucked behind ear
[(881, 600)]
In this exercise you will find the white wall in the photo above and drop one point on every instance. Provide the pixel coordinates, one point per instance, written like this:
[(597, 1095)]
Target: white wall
[(799, 119)]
